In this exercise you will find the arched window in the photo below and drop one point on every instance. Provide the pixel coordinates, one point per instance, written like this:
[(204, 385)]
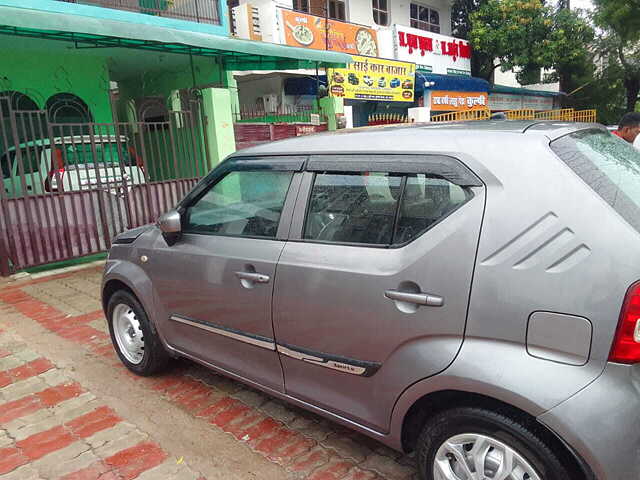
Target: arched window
[(68, 108), (12, 100), (152, 110), (27, 123), (381, 12)]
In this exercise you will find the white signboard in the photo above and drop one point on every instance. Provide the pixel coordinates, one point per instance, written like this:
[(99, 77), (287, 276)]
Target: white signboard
[(439, 53), (509, 101), (505, 101), (537, 103)]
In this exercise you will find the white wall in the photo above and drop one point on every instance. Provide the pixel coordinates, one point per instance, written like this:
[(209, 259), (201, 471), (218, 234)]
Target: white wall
[(249, 91), (508, 79), (360, 11)]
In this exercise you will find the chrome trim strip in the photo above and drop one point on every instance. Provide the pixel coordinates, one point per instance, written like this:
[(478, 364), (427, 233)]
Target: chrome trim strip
[(379, 435), (209, 327), (334, 362), (328, 362)]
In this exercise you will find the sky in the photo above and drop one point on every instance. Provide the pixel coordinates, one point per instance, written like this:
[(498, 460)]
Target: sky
[(586, 4)]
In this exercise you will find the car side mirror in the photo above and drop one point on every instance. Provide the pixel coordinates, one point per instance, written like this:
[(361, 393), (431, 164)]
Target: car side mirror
[(171, 226)]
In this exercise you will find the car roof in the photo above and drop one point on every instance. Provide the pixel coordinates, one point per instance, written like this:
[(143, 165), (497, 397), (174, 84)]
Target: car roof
[(414, 137)]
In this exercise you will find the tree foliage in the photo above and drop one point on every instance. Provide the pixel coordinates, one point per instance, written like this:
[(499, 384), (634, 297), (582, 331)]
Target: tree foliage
[(461, 11), (619, 43), (528, 36)]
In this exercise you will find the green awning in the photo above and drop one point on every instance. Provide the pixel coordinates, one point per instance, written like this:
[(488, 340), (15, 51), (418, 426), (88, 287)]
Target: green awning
[(524, 91), (90, 32)]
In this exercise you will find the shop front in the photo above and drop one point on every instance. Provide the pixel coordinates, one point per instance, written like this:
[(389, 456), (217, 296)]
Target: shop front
[(374, 90), (285, 95), (443, 70)]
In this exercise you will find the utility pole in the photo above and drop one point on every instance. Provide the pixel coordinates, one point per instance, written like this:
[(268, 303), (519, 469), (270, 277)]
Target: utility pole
[(326, 25)]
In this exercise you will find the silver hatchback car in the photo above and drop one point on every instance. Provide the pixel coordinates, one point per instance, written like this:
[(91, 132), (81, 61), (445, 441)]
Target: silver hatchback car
[(467, 291)]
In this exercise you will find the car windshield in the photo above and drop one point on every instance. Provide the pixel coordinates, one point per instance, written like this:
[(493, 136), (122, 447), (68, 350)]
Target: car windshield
[(106, 153), (609, 165)]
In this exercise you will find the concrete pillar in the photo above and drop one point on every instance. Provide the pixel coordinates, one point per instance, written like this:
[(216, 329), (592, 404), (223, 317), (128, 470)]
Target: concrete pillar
[(220, 138), (131, 114), (330, 106), (232, 86)]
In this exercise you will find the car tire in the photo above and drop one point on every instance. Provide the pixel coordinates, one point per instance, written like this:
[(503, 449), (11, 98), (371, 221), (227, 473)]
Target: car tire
[(133, 336), (444, 440)]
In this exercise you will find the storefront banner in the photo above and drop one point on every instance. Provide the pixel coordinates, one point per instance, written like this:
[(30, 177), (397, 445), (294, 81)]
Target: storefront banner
[(445, 101), (440, 52), (373, 79), (303, 30), (505, 101)]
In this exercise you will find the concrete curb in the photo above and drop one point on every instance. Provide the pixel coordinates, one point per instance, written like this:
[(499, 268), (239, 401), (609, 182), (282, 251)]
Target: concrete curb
[(24, 276)]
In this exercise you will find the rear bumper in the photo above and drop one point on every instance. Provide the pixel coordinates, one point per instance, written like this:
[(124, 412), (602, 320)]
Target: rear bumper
[(602, 423)]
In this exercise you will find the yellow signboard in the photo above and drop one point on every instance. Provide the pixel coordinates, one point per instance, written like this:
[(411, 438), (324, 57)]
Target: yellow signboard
[(369, 78)]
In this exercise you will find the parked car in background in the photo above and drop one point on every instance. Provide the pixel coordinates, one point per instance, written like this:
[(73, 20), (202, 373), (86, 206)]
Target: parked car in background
[(413, 284), (36, 167)]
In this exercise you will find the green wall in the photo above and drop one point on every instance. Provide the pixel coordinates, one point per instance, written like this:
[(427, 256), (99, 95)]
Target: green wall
[(161, 83), (41, 74)]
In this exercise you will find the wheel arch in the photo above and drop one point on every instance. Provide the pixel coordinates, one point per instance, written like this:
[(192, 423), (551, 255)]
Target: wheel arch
[(436, 402), (124, 275)]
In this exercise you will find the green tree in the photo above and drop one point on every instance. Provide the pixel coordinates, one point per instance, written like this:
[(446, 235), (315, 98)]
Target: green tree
[(619, 44), (602, 89), (529, 36), (461, 11)]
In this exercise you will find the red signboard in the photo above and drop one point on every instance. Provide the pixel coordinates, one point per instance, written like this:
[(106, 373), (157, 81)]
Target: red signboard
[(454, 48)]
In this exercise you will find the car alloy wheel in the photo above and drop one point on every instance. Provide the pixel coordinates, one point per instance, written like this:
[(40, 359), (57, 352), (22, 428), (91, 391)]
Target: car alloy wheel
[(471, 456)]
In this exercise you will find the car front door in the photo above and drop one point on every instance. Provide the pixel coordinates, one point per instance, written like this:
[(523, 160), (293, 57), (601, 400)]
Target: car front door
[(373, 285), (215, 284)]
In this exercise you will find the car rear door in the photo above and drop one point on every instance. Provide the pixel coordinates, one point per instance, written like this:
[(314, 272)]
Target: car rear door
[(215, 284), (373, 285)]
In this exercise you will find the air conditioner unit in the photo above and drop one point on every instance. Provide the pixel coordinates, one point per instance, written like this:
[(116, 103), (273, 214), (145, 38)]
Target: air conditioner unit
[(270, 103)]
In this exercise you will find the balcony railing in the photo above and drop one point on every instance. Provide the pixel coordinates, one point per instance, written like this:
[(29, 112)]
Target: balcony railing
[(201, 11)]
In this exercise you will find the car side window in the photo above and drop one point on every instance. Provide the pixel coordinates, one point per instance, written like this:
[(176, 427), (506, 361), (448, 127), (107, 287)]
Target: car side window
[(30, 161), (242, 203), (378, 209), (5, 163), (425, 201), (353, 208)]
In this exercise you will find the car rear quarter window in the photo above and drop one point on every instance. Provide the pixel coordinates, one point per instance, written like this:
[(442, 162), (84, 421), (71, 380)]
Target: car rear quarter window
[(105, 153), (426, 200), (609, 165)]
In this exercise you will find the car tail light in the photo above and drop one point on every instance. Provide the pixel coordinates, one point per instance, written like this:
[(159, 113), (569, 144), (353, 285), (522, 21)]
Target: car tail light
[(55, 172), (626, 344)]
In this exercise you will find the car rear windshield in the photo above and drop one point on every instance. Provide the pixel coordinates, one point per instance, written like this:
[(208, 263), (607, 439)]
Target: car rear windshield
[(609, 165), (106, 153)]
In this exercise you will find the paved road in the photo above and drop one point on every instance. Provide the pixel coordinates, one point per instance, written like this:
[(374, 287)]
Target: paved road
[(69, 410)]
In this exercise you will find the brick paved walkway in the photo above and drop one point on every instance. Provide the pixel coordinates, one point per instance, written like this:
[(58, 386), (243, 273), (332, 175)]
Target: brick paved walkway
[(50, 427)]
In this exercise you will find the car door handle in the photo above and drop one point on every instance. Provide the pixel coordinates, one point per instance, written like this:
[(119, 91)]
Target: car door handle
[(253, 277), (417, 298)]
